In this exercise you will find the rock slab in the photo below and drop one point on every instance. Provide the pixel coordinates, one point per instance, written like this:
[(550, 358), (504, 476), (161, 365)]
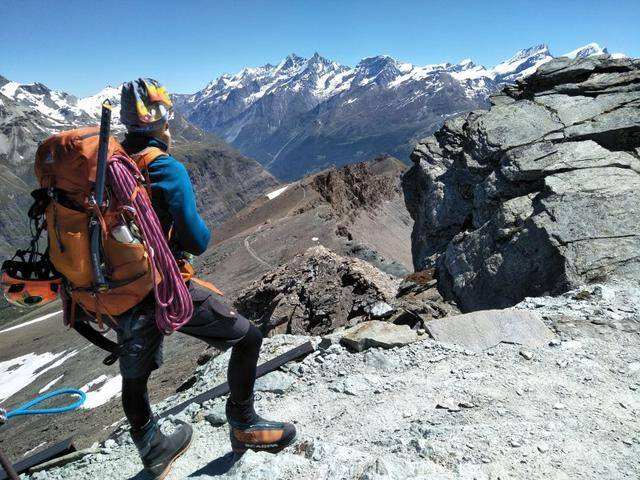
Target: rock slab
[(485, 329), (376, 333)]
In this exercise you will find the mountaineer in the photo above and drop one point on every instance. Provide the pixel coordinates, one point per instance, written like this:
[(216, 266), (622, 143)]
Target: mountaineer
[(145, 108)]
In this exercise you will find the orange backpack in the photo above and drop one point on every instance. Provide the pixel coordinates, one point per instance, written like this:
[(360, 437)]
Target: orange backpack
[(66, 168)]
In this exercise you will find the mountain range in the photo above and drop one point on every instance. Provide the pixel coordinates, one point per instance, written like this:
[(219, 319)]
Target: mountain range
[(224, 180), (295, 118), (306, 114)]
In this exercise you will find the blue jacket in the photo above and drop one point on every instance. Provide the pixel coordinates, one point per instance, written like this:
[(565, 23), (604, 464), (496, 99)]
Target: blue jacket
[(172, 197)]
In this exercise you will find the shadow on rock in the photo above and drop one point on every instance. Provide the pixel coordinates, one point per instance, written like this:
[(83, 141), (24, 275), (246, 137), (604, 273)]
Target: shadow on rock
[(219, 466)]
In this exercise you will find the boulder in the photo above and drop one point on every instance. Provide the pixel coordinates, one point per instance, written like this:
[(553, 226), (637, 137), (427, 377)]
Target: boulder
[(537, 195), (481, 330), (317, 292), (375, 333)]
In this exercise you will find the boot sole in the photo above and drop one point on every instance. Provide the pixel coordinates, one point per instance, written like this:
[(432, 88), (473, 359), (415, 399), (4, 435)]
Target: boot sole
[(167, 470), (243, 450)]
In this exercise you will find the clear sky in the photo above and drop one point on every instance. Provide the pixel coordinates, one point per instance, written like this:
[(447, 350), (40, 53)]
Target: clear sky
[(81, 46)]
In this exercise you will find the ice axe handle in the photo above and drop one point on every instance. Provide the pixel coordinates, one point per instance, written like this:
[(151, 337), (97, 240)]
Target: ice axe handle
[(100, 283)]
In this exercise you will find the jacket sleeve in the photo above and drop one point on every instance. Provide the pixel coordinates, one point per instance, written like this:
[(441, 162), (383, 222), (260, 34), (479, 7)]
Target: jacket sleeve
[(171, 177)]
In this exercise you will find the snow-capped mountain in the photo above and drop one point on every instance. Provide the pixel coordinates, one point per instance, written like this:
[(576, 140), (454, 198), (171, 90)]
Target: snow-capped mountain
[(303, 115), (223, 179), (587, 51)]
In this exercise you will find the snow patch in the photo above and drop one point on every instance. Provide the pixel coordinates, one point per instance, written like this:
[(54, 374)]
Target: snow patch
[(20, 372), (9, 89), (31, 322), (50, 384), (586, 51), (29, 452), (108, 388), (277, 193)]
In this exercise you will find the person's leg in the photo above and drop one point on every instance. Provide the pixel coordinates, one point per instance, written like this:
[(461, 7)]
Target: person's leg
[(135, 401), (141, 345), (223, 327), (241, 373)]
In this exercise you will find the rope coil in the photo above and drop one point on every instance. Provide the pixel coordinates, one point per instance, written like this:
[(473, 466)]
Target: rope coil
[(174, 306)]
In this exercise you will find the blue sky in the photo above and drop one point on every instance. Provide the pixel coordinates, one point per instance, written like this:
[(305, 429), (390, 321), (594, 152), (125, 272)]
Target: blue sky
[(81, 46)]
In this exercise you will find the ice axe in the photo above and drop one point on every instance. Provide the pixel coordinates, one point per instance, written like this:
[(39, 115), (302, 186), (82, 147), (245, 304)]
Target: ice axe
[(100, 282)]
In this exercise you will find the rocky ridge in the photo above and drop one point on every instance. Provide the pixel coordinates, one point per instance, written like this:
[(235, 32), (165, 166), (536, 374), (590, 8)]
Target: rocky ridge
[(537, 195), (430, 410), (319, 291)]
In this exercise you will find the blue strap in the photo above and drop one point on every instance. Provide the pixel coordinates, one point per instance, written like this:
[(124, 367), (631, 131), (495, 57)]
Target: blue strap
[(26, 410)]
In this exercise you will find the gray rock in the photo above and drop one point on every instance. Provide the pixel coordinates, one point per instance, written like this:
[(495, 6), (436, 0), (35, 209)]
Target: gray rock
[(538, 195), (110, 444), (354, 385), (481, 330), (376, 333), (381, 310), (216, 415), (377, 470), (543, 447), (379, 360), (526, 354), (275, 382)]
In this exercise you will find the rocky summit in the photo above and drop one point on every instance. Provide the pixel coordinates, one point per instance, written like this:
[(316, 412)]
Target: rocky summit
[(427, 410), (537, 195)]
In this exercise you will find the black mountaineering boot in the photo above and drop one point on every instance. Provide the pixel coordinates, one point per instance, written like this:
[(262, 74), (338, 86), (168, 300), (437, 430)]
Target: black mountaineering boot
[(248, 431), (158, 451)]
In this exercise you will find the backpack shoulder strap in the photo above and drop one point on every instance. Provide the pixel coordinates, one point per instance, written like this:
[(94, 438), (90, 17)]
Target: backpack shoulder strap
[(144, 158)]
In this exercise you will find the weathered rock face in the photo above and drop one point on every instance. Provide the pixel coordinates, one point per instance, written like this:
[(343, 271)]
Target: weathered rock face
[(538, 194), (356, 187), (317, 292)]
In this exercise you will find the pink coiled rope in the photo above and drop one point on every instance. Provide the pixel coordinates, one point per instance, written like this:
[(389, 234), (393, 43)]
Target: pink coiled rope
[(174, 306)]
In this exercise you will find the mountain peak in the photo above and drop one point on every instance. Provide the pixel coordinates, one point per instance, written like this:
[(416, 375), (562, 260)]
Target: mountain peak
[(376, 64), (290, 61), (318, 60), (536, 50), (587, 51)]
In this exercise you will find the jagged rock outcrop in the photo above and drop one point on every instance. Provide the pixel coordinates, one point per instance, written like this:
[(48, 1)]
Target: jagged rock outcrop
[(538, 194), (319, 291), (316, 292), (356, 187)]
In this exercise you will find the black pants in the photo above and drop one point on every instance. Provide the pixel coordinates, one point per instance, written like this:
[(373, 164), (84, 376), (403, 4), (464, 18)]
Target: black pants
[(212, 321)]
